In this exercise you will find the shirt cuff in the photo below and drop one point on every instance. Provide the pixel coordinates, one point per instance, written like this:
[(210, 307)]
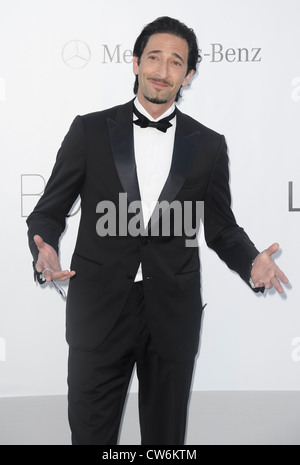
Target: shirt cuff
[(252, 285)]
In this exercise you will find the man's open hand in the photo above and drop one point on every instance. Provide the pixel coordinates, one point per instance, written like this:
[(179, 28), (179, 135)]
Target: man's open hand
[(266, 273), (48, 259)]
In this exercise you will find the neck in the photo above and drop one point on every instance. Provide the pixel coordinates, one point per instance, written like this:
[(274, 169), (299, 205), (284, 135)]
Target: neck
[(154, 109)]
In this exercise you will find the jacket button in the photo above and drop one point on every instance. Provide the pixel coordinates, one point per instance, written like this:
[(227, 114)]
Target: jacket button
[(146, 241)]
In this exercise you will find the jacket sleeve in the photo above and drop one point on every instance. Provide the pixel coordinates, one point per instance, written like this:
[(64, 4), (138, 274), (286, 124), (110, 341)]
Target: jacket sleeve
[(222, 233), (49, 216)]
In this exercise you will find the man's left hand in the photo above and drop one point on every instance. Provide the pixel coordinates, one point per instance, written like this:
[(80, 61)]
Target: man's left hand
[(265, 272)]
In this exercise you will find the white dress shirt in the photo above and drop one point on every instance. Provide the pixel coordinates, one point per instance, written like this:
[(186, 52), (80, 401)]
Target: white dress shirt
[(153, 157)]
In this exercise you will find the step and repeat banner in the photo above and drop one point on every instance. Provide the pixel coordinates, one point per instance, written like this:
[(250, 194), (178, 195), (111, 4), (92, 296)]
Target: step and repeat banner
[(62, 58)]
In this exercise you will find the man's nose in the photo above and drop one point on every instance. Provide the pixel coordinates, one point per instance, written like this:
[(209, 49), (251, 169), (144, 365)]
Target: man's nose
[(162, 70)]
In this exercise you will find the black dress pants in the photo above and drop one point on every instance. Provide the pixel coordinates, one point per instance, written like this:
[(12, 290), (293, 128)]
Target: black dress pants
[(98, 382)]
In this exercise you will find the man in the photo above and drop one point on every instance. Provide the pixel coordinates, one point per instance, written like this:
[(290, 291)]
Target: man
[(120, 313)]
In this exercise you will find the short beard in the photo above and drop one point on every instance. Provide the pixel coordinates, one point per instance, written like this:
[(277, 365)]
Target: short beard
[(157, 101)]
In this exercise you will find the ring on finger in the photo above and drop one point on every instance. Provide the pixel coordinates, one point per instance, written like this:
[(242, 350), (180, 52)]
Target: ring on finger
[(44, 271)]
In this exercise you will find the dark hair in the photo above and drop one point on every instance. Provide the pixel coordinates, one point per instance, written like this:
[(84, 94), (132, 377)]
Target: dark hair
[(168, 25)]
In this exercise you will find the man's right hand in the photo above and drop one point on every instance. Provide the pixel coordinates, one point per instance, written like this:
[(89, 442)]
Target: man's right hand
[(48, 259)]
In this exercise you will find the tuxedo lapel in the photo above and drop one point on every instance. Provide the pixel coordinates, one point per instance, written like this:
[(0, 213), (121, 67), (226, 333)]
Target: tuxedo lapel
[(185, 146), (122, 143), (121, 139)]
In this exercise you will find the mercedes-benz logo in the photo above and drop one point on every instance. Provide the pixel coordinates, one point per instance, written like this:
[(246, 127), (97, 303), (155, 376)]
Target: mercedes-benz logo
[(76, 54)]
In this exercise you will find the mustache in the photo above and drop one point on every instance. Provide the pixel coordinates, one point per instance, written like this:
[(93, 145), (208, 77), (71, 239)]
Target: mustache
[(160, 81)]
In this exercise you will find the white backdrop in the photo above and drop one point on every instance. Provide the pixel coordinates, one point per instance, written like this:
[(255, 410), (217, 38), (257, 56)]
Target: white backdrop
[(68, 57)]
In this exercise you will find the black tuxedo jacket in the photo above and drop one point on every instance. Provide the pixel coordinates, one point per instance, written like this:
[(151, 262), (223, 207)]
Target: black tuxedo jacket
[(97, 162)]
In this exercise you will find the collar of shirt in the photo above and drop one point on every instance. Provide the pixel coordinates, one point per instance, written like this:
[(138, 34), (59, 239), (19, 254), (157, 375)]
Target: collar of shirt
[(144, 112)]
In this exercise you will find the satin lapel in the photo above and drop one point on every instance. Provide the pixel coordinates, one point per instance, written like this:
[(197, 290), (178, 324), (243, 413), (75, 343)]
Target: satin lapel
[(121, 139), (185, 147)]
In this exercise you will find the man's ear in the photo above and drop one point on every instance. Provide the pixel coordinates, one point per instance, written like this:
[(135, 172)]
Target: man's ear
[(188, 78), (136, 66)]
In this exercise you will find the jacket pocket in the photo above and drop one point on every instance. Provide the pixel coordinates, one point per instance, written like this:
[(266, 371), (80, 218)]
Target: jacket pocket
[(86, 268), (188, 280)]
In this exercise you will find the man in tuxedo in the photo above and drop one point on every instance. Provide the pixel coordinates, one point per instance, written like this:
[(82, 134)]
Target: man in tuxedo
[(134, 298)]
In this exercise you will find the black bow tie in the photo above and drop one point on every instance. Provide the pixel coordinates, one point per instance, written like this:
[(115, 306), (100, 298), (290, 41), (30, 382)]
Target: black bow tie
[(161, 125)]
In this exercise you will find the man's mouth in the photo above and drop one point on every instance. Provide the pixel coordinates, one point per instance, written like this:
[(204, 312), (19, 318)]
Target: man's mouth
[(160, 83)]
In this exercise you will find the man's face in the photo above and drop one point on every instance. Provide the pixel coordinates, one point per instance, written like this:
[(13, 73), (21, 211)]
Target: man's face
[(162, 69)]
